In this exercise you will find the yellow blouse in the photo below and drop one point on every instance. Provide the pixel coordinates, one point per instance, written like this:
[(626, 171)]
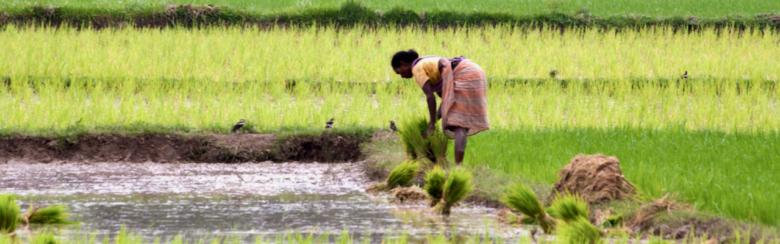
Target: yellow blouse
[(426, 69)]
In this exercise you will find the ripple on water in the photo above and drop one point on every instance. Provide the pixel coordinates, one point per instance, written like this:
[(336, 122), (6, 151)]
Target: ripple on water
[(197, 199)]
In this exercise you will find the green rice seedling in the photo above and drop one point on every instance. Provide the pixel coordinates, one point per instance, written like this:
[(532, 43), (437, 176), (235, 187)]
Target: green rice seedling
[(9, 214), (567, 207), (577, 231), (402, 174), (51, 215), (44, 238), (522, 199), (434, 184), (417, 146), (438, 144), (457, 187), (411, 132)]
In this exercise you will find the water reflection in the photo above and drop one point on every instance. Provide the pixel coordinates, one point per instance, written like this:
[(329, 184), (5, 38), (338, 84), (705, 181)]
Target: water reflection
[(201, 200)]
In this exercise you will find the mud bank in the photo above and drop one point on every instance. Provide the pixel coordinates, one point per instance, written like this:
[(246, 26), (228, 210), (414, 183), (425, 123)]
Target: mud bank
[(325, 147)]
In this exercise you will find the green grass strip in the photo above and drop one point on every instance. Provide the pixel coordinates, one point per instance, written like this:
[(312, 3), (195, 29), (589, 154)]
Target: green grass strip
[(349, 13)]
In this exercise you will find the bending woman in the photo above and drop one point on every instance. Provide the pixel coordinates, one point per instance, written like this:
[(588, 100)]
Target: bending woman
[(460, 84)]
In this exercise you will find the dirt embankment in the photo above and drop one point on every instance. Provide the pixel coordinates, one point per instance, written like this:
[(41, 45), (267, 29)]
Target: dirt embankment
[(325, 147)]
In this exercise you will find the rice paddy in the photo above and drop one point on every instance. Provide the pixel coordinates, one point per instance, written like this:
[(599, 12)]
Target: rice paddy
[(694, 115), (207, 79)]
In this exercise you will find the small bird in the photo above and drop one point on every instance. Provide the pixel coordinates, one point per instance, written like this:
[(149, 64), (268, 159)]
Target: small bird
[(238, 126), (329, 124), (553, 73), (685, 75), (393, 127)]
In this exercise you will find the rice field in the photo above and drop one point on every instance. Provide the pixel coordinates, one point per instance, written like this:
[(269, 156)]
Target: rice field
[(363, 55), (709, 139), (207, 79), (657, 8)]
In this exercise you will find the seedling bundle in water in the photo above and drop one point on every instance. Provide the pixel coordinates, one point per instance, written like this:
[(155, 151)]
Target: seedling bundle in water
[(402, 175), (10, 217), (522, 199), (570, 213), (434, 184), (446, 192)]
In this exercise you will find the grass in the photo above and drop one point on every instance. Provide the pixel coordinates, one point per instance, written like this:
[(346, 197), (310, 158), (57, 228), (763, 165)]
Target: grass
[(658, 8), (729, 174)]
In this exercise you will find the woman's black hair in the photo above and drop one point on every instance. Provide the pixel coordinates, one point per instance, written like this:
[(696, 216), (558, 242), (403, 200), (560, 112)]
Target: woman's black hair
[(404, 56)]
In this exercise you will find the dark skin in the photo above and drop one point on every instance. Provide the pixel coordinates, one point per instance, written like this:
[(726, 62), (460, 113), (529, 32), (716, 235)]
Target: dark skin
[(405, 71)]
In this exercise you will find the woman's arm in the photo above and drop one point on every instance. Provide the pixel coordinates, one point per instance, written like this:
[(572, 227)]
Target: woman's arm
[(432, 111)]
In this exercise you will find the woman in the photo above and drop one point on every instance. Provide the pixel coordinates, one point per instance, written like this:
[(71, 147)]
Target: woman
[(460, 84)]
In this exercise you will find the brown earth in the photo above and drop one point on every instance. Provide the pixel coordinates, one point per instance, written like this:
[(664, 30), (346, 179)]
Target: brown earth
[(412, 194), (326, 147), (673, 220), (596, 178)]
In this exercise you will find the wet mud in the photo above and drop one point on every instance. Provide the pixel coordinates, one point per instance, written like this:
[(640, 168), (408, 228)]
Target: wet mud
[(232, 148)]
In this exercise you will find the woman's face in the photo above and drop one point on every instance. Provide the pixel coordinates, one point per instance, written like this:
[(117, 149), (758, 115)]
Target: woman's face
[(404, 70)]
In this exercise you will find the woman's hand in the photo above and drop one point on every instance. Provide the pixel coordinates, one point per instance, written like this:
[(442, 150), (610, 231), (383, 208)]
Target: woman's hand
[(431, 129)]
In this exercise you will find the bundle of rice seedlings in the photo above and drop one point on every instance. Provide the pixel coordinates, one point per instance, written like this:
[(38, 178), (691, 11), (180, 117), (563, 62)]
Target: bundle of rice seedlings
[(433, 148), (569, 207), (402, 175), (411, 132), (51, 215), (44, 238), (434, 184), (457, 187), (579, 230), (438, 144), (522, 199), (9, 214)]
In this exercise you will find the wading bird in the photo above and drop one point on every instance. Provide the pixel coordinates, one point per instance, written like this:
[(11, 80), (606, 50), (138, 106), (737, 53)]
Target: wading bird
[(393, 127), (329, 124), (685, 75), (238, 126)]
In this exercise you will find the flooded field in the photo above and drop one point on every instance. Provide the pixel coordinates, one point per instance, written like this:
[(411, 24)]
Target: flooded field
[(250, 199)]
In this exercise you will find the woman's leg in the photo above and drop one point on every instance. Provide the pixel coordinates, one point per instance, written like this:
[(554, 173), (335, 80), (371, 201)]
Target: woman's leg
[(460, 143)]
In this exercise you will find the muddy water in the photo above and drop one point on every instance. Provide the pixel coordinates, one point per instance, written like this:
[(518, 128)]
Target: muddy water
[(253, 199)]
